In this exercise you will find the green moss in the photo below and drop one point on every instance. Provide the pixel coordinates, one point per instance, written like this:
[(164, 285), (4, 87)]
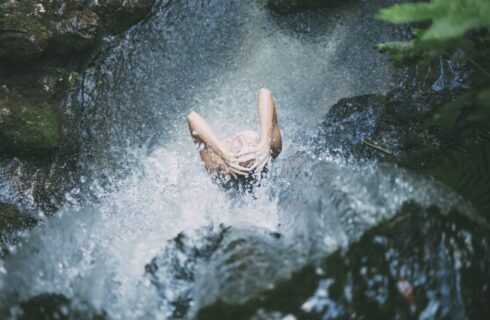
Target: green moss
[(74, 78), (27, 129), (23, 37), (25, 23)]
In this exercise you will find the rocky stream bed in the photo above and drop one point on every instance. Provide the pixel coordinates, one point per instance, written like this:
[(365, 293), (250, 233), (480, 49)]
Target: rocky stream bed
[(377, 208)]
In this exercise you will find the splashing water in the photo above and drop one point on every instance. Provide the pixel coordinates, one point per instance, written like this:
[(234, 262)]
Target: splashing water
[(143, 180)]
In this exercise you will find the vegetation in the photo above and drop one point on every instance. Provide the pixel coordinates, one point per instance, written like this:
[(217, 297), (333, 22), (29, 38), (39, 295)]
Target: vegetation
[(26, 128), (446, 27)]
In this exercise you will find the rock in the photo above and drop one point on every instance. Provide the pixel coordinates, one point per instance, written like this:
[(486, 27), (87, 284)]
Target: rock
[(404, 123), (40, 107), (246, 262), (227, 264), (27, 128), (421, 263), (12, 221), (76, 31), (61, 8), (325, 204), (173, 271), (48, 85), (22, 37), (394, 122), (118, 15), (29, 180), (49, 306), (27, 29), (289, 6)]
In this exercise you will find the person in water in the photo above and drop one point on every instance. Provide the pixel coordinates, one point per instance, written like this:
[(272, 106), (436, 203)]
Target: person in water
[(247, 151)]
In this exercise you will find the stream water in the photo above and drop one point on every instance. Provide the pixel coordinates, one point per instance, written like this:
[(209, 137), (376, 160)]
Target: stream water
[(143, 182)]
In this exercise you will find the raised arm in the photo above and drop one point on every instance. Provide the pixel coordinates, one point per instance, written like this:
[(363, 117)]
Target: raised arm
[(270, 135), (201, 132)]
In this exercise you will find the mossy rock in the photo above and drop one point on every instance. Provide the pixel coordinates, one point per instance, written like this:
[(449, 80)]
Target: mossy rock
[(75, 32), (27, 129), (120, 15), (22, 37)]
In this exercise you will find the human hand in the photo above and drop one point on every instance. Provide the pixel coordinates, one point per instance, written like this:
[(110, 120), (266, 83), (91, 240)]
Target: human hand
[(260, 156), (234, 165)]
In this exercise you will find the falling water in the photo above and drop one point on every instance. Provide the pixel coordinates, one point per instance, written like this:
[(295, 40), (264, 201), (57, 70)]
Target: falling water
[(143, 182)]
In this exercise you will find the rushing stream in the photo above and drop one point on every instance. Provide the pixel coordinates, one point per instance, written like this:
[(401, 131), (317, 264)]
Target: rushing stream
[(143, 182)]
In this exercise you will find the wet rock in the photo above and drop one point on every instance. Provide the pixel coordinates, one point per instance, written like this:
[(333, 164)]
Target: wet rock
[(33, 180), (22, 37), (173, 272), (76, 31), (245, 263), (419, 264), (39, 84), (11, 219), (11, 222), (325, 204), (402, 127), (394, 122), (118, 15), (26, 128), (227, 265), (44, 48), (289, 6), (49, 306), (64, 7)]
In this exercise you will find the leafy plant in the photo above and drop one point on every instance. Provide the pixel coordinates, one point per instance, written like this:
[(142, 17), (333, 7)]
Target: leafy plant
[(451, 21), (448, 25)]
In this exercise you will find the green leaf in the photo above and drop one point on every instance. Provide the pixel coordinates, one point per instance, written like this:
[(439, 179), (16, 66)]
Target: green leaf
[(408, 12), (447, 28), (469, 108)]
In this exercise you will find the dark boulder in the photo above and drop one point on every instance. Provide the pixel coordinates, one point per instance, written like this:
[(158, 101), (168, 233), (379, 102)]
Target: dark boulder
[(227, 264), (289, 6), (60, 8), (118, 15), (406, 128), (22, 37), (49, 306), (173, 271), (394, 122), (76, 31), (422, 263), (26, 128), (11, 219)]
